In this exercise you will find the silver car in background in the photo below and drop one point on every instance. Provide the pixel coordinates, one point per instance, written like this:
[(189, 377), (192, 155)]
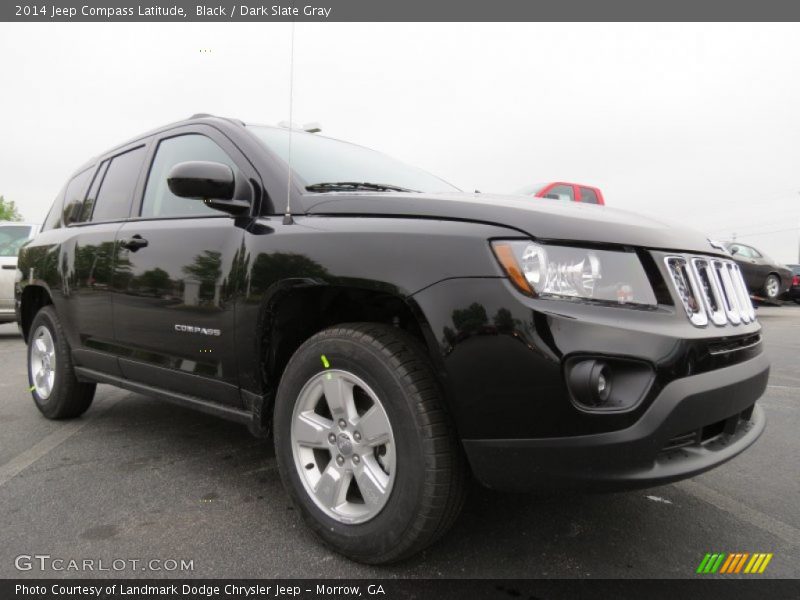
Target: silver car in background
[(12, 236)]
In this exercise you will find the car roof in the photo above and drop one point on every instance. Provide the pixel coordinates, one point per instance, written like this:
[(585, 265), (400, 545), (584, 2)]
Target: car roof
[(195, 118)]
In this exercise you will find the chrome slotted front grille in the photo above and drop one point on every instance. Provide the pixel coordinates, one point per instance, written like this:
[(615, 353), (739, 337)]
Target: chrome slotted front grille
[(711, 290)]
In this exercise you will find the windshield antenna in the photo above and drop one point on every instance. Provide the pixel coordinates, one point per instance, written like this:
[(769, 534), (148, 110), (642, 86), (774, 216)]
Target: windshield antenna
[(287, 218)]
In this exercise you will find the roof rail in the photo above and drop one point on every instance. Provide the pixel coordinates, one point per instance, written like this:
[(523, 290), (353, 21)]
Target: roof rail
[(207, 115)]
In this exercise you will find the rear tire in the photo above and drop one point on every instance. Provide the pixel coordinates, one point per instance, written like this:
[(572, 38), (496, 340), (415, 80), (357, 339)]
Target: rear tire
[(772, 287), (56, 391), (373, 374)]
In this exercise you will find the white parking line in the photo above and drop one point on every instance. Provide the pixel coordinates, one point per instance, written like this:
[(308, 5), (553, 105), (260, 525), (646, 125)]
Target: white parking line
[(41, 448), (751, 516)]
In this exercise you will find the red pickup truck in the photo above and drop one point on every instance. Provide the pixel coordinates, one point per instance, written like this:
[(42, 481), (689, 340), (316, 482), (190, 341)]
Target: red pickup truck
[(562, 190)]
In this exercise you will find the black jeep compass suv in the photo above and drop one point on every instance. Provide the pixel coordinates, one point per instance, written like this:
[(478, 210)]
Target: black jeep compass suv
[(393, 333)]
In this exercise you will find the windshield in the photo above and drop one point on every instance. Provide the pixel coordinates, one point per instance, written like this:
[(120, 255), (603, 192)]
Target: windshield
[(530, 190), (11, 238), (320, 160)]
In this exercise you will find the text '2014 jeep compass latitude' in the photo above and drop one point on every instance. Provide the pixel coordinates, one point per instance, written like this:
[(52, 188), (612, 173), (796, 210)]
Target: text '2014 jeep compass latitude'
[(394, 333)]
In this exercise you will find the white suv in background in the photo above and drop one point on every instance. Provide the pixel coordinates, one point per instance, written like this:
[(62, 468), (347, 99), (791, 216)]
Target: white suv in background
[(12, 236)]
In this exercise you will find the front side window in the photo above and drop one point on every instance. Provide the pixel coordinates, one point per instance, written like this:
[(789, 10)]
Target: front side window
[(113, 200), (320, 160), (159, 201), (560, 192), (12, 237), (739, 250)]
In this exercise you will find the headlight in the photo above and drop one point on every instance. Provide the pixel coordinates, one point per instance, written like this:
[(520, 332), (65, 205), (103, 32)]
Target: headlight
[(567, 271)]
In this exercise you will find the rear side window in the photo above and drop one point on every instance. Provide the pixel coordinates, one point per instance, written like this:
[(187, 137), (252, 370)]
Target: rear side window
[(159, 201), (88, 204), (12, 237), (53, 219), (113, 200), (73, 198), (589, 196)]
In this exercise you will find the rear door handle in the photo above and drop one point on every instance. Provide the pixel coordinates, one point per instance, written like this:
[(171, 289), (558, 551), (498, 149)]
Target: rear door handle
[(134, 243)]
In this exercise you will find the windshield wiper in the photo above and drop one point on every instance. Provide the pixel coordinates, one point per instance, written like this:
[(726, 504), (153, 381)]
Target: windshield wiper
[(355, 185)]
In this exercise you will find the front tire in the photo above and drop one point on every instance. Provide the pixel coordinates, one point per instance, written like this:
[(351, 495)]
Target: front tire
[(364, 446), (56, 391), (772, 287)]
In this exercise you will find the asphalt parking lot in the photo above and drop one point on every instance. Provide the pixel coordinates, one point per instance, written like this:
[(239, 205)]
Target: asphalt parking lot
[(136, 478)]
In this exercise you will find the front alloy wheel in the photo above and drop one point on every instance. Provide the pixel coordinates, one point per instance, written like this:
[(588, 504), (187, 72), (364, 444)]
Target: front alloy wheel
[(363, 443), (343, 446)]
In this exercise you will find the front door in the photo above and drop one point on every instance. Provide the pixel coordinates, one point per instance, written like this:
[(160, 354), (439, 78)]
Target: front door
[(176, 282)]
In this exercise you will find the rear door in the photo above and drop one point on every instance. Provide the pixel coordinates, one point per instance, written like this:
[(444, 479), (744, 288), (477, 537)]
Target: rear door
[(88, 255), (174, 285)]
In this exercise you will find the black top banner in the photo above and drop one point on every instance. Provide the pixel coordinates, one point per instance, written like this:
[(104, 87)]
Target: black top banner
[(402, 10)]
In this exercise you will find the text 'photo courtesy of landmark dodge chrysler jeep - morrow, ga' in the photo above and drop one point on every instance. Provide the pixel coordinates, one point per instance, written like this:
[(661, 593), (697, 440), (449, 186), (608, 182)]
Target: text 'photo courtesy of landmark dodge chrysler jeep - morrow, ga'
[(394, 334)]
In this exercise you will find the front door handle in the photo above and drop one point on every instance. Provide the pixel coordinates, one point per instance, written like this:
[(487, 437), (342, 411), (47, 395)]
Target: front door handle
[(134, 243)]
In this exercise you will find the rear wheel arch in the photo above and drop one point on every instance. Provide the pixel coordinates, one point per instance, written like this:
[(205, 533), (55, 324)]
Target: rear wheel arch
[(33, 299)]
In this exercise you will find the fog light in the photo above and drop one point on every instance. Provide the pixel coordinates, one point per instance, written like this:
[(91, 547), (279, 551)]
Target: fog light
[(607, 384), (590, 382)]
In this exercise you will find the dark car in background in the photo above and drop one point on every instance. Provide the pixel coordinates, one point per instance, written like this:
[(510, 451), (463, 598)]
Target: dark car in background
[(794, 290), (764, 276)]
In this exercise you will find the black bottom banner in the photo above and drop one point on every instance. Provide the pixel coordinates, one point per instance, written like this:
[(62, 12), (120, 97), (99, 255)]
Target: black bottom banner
[(391, 589)]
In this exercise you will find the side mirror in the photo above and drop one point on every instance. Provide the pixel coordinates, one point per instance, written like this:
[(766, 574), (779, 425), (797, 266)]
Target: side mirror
[(202, 180), (734, 250), (211, 182)]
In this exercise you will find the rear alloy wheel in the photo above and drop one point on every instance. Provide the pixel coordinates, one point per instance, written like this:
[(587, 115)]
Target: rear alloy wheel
[(363, 444), (772, 287), (56, 391), (43, 362)]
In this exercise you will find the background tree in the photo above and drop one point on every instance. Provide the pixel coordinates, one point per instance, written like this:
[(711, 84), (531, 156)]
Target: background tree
[(8, 210)]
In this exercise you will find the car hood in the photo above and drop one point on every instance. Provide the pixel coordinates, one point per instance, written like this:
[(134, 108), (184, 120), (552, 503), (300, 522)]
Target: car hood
[(539, 218)]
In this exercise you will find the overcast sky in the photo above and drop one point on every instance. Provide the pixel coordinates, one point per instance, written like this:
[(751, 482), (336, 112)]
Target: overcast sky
[(695, 122)]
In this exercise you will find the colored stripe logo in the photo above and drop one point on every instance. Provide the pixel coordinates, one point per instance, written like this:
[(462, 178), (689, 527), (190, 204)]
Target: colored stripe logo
[(735, 562)]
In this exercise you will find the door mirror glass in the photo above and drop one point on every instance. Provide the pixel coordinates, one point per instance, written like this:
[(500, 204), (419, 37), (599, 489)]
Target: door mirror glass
[(202, 180)]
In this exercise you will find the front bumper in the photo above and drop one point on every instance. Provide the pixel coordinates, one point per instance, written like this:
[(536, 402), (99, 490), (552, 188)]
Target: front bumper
[(695, 424)]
